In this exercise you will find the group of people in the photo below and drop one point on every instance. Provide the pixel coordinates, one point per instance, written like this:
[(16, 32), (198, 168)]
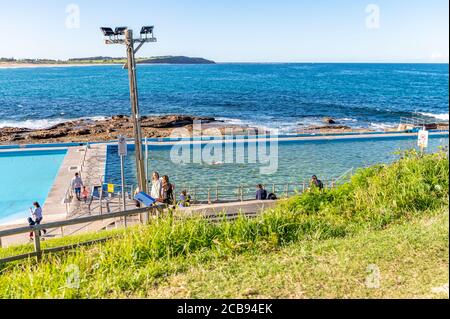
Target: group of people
[(261, 192), (163, 191), (36, 212), (81, 191)]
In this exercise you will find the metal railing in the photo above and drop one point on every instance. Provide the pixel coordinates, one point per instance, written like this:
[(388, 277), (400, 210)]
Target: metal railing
[(241, 193), (217, 194), (420, 121), (68, 195), (228, 193), (39, 252)]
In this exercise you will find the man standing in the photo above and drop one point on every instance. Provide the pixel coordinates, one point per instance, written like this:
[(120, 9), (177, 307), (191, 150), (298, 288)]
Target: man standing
[(77, 185)]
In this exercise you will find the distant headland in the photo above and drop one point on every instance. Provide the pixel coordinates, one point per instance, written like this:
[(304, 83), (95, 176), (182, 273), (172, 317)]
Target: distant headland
[(101, 60)]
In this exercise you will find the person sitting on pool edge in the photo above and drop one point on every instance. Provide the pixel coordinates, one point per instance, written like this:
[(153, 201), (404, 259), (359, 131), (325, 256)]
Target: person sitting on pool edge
[(185, 199), (261, 193)]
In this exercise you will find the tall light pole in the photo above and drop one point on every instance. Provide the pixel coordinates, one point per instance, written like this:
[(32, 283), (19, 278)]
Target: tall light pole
[(123, 35)]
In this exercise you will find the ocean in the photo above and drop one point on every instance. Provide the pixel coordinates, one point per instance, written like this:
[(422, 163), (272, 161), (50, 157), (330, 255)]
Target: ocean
[(282, 96)]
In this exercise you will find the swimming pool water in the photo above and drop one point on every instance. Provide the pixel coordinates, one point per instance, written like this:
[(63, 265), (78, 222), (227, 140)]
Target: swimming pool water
[(26, 177), (297, 161)]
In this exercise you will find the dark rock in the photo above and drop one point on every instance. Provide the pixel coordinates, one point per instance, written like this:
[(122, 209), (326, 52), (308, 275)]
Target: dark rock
[(48, 134), (15, 138), (119, 117), (329, 127), (328, 120)]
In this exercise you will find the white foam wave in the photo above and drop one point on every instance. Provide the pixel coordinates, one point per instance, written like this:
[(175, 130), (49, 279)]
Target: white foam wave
[(442, 117), (43, 124)]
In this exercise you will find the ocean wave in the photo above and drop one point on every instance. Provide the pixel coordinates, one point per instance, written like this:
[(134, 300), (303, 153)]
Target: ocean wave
[(44, 123), (442, 117)]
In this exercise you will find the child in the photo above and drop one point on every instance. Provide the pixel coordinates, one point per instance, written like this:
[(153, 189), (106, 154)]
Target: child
[(185, 199), (85, 194)]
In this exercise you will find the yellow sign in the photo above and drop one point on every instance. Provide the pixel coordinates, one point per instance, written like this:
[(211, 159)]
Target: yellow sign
[(110, 188)]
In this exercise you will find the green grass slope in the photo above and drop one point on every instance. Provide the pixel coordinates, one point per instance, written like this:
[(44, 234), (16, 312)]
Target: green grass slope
[(387, 219)]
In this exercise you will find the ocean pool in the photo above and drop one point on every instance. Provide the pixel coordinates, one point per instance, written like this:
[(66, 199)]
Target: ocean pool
[(26, 177), (297, 161)]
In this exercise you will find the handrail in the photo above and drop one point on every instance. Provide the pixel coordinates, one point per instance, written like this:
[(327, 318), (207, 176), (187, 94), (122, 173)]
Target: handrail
[(83, 161), (76, 221), (38, 252), (67, 198), (229, 193)]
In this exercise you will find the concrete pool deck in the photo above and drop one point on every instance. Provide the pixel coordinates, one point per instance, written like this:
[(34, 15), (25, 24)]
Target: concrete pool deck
[(91, 166)]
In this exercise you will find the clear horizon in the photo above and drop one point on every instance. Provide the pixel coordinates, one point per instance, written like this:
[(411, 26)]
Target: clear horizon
[(233, 32)]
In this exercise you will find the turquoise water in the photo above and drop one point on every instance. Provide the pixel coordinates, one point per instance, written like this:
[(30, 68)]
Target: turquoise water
[(26, 177), (283, 96), (297, 161)]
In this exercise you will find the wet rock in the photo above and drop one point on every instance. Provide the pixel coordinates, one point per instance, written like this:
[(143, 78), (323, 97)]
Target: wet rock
[(328, 120), (48, 134), (15, 138), (329, 127), (103, 130), (119, 117)]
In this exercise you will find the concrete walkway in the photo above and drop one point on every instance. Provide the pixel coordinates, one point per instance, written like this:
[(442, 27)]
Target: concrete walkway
[(92, 173), (54, 207)]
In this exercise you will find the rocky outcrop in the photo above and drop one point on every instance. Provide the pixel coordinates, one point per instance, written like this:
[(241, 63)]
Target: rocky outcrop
[(101, 130), (329, 120)]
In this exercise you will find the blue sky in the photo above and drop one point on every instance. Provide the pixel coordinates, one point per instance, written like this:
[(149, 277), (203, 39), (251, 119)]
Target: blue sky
[(235, 30)]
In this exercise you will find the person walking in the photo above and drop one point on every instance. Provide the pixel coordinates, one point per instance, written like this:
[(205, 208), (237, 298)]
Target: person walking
[(36, 218), (85, 194), (77, 185)]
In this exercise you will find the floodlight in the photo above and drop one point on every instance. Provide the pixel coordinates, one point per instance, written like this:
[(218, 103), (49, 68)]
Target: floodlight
[(147, 30), (107, 32), (120, 30)]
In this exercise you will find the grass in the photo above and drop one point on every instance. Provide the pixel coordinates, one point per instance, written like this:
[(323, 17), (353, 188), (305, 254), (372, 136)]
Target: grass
[(412, 260), (314, 245)]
